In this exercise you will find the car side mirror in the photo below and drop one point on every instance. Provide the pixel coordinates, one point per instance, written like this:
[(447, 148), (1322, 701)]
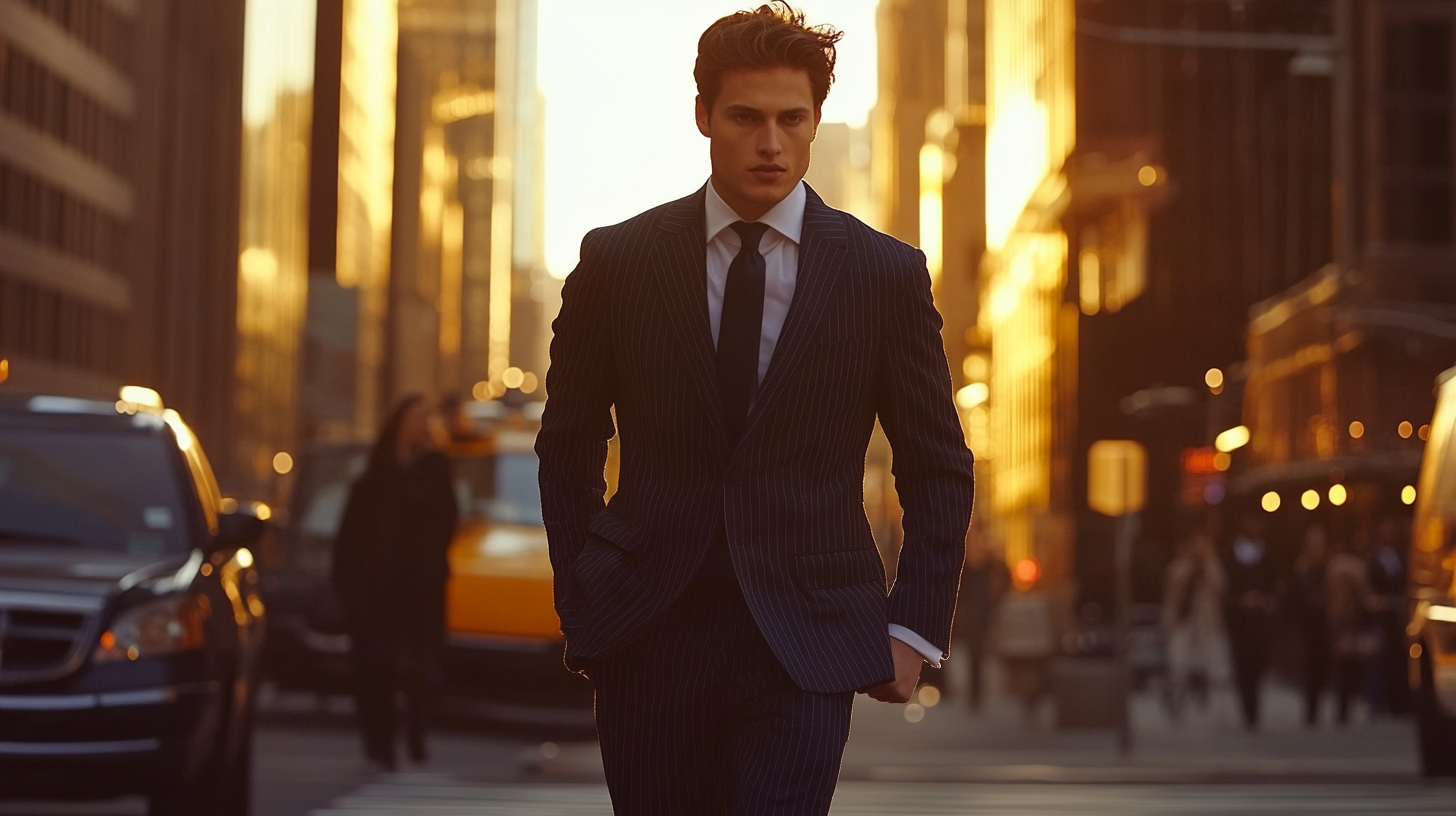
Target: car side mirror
[(239, 530)]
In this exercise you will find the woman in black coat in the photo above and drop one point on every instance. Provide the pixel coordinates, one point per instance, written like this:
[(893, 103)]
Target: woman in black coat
[(390, 569)]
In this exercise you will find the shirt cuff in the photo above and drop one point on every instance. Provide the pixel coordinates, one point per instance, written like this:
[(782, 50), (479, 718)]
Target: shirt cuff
[(926, 649)]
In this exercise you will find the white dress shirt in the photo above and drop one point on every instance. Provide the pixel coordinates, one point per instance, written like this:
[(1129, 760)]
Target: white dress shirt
[(780, 250)]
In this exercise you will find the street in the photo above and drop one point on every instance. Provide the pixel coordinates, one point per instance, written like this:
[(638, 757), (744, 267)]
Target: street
[(866, 798), (307, 763)]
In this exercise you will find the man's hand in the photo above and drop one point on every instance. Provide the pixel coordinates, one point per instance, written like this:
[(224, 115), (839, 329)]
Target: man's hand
[(907, 674)]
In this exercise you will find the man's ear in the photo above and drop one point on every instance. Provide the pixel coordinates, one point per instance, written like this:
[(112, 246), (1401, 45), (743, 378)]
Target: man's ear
[(701, 112), (818, 114)]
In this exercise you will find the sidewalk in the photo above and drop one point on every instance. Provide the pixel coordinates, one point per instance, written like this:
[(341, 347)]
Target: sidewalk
[(998, 744)]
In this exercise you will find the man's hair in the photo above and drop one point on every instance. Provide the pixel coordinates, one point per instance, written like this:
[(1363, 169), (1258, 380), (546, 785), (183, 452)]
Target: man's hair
[(771, 36)]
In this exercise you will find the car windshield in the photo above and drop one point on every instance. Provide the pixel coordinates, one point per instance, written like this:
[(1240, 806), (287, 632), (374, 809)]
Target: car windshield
[(118, 492), (499, 487)]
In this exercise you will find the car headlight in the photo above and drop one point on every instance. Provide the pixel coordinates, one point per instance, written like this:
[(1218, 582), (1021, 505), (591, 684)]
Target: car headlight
[(161, 627)]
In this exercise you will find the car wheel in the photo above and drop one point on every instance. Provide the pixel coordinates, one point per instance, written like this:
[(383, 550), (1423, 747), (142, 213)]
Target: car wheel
[(222, 787), (1437, 730)]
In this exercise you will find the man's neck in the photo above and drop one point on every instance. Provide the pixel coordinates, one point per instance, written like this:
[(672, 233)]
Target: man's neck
[(746, 210)]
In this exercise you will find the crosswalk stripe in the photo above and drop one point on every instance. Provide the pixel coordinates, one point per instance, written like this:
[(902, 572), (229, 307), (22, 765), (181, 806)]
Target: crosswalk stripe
[(428, 797)]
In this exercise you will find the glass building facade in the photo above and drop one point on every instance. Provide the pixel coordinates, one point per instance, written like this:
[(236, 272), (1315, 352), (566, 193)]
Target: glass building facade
[(273, 228), (1030, 134)]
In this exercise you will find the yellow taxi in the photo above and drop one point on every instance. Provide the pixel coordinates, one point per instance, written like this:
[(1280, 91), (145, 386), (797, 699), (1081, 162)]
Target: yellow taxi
[(504, 640), (1431, 627)]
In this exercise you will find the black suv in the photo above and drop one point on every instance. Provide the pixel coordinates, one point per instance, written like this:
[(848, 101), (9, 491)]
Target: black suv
[(130, 625)]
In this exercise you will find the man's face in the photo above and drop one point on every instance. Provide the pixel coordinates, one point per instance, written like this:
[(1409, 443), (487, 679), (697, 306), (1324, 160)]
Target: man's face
[(760, 130)]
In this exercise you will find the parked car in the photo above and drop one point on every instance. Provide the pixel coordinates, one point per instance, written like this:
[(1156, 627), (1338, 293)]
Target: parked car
[(130, 624), (503, 639), (1432, 624)]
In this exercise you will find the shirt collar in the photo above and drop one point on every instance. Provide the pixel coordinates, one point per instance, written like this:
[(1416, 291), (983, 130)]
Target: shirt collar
[(786, 218)]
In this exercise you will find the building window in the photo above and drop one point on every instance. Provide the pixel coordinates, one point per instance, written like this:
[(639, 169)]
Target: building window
[(57, 329), (32, 94), (95, 23), (1418, 178), (40, 213)]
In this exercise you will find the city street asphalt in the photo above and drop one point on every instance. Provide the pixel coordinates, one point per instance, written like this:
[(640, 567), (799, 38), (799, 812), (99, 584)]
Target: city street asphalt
[(948, 761)]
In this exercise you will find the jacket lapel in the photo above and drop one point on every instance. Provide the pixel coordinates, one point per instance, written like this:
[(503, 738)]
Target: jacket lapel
[(825, 240), (679, 263)]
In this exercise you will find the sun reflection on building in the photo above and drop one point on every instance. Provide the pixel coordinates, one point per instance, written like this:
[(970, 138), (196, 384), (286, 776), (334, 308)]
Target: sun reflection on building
[(272, 277), (1030, 134)]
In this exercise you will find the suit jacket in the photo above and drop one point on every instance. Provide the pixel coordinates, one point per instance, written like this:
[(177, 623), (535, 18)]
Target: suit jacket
[(861, 340)]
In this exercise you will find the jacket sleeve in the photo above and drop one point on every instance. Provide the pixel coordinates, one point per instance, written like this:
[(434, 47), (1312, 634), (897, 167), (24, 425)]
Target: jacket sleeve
[(577, 421), (349, 545), (932, 466)]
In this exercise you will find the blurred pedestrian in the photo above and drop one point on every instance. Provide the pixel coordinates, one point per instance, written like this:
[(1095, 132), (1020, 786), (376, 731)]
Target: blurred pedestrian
[(1309, 601), (983, 583), (390, 569), (1249, 610), (1192, 620), (1389, 689), (1352, 636)]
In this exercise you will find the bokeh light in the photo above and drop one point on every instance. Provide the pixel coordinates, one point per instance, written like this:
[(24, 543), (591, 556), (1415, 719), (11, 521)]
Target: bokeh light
[(928, 696), (1026, 573)]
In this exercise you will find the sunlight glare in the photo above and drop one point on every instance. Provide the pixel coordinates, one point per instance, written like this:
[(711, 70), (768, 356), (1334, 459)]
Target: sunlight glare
[(618, 85)]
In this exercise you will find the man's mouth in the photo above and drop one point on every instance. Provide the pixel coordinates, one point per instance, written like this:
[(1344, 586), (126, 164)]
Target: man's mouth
[(767, 171)]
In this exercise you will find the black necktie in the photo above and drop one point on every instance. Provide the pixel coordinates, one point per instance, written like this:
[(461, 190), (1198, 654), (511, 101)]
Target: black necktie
[(740, 327)]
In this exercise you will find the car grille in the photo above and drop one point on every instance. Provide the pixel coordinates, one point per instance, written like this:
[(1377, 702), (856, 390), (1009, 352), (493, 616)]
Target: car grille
[(43, 639)]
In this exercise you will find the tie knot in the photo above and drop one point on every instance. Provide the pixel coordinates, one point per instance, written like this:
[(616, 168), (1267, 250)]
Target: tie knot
[(750, 233)]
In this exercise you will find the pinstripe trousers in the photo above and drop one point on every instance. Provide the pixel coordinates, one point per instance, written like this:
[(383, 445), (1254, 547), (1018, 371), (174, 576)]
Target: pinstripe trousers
[(697, 717)]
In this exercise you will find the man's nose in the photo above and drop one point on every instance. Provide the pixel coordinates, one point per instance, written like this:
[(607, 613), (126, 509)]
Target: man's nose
[(771, 143)]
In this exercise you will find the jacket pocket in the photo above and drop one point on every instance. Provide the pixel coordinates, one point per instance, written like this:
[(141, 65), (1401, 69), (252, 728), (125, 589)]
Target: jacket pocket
[(841, 568), (617, 531)]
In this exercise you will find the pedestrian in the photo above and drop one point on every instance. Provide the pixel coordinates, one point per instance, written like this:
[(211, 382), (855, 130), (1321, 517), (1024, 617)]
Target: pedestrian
[(1352, 636), (730, 599), (1309, 601), (1389, 688), (1192, 619), (390, 570), (1249, 610), (985, 580)]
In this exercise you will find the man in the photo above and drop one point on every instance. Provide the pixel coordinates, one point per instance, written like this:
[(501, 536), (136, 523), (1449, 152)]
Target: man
[(1389, 688), (1249, 608), (985, 581), (730, 600)]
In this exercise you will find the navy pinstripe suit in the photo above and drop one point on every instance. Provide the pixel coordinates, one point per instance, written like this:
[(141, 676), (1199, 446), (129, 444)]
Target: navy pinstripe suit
[(861, 340)]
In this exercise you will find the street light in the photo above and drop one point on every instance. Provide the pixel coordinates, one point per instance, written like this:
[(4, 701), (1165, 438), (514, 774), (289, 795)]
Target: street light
[(1213, 378), (1232, 439)]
